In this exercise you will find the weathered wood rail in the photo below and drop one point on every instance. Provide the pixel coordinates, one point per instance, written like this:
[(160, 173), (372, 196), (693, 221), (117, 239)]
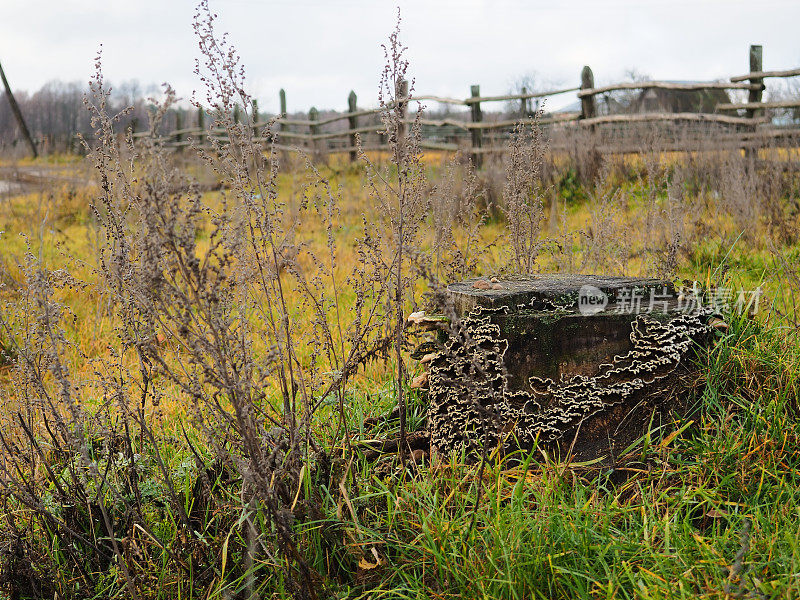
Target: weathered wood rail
[(478, 133)]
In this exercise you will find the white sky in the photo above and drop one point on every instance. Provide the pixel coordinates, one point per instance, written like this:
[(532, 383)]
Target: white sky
[(318, 50)]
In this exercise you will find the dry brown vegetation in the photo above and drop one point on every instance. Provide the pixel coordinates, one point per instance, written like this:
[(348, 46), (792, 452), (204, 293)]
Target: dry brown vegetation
[(185, 374)]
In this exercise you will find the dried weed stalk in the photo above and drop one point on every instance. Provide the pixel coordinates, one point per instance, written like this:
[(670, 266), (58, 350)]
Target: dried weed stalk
[(213, 316), (398, 191), (523, 194)]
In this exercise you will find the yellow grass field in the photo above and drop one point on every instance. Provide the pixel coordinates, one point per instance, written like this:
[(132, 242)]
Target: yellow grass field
[(178, 476)]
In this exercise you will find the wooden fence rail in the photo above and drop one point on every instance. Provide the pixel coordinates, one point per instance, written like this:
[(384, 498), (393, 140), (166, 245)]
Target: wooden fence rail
[(764, 74), (477, 132), (667, 85)]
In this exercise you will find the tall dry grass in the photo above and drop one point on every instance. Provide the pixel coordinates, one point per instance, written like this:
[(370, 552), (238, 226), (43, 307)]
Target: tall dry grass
[(186, 374)]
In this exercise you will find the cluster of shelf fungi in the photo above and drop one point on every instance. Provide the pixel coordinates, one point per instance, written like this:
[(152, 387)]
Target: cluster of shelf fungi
[(531, 362)]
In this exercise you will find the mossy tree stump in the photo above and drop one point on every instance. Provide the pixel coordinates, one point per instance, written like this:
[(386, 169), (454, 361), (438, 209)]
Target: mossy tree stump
[(573, 362)]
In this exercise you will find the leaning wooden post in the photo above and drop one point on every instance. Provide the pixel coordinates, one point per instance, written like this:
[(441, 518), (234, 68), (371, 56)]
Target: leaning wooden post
[(588, 109), (313, 115), (353, 122), (477, 135), (756, 66), (18, 114)]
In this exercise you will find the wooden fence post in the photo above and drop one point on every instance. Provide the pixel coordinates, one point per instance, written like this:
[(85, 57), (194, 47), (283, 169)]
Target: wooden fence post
[(201, 123), (524, 103), (477, 135), (401, 95), (255, 118), (353, 123), (178, 127), (588, 108), (281, 126), (282, 95), (587, 158), (313, 115), (756, 65)]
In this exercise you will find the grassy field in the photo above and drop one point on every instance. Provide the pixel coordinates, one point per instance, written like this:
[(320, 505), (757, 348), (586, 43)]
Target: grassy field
[(200, 351), (146, 487)]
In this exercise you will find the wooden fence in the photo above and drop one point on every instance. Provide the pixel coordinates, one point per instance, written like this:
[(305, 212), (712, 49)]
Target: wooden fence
[(743, 124)]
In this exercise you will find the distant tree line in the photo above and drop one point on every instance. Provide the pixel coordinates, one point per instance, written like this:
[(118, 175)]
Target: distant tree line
[(55, 114)]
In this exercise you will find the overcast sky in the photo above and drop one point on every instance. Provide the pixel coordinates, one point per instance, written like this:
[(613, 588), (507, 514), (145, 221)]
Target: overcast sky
[(318, 50)]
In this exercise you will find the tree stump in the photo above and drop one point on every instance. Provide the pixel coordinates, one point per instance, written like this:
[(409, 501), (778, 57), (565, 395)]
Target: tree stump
[(580, 364)]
